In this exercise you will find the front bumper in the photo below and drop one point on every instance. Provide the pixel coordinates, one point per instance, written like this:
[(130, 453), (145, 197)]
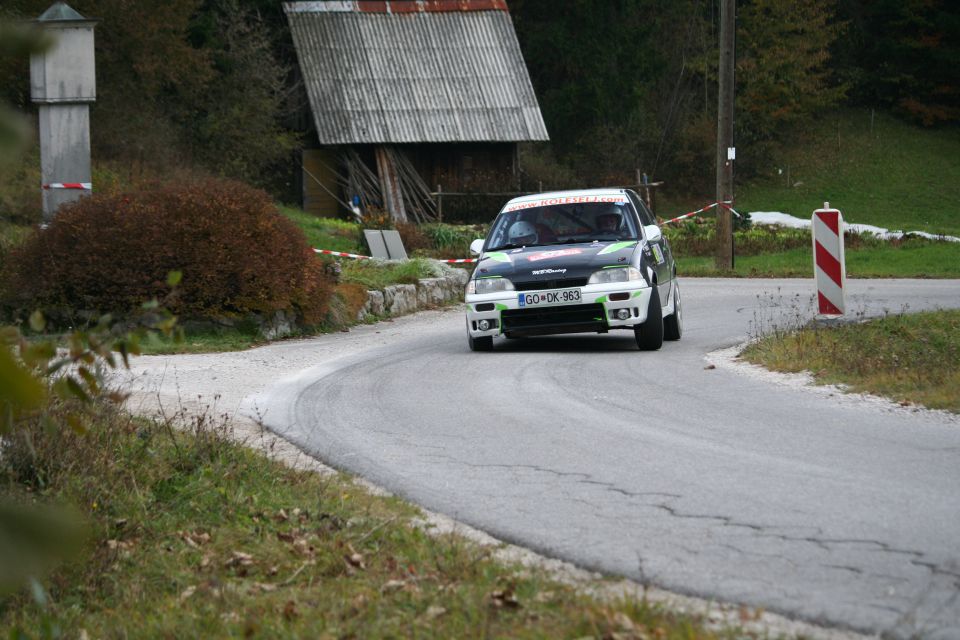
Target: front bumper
[(595, 313)]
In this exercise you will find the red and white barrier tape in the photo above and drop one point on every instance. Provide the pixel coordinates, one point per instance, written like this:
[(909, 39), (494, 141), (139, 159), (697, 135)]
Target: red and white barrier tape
[(359, 257), (342, 254), (86, 186), (726, 205)]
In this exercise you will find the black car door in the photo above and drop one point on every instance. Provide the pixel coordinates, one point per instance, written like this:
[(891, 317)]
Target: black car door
[(662, 256)]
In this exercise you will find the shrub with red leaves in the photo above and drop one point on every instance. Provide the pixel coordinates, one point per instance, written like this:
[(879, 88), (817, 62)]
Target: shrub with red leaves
[(110, 253)]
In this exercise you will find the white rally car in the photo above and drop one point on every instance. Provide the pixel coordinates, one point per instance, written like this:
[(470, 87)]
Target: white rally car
[(571, 262)]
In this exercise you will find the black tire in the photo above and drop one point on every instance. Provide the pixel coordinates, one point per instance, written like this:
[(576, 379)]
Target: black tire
[(673, 323), (649, 335), (483, 343)]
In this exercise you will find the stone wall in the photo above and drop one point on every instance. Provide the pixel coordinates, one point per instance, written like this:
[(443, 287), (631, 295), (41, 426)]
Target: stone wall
[(395, 300), (400, 299)]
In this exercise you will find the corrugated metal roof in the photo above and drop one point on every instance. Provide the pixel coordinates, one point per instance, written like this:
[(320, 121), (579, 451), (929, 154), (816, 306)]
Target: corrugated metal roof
[(396, 6), (421, 72)]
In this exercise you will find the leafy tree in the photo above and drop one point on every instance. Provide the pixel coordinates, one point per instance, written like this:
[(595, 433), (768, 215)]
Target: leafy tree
[(783, 72), (904, 54), (182, 82), (238, 125), (614, 79)]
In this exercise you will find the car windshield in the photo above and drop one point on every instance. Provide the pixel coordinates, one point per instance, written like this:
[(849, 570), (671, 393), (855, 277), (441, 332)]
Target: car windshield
[(560, 221)]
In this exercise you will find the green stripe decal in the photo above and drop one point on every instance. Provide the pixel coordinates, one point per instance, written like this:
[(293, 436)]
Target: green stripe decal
[(499, 256), (616, 246), (616, 266), (637, 294), (501, 307), (601, 299)]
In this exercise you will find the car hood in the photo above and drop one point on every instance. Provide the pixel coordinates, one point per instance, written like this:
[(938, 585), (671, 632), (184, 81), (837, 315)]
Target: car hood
[(555, 262)]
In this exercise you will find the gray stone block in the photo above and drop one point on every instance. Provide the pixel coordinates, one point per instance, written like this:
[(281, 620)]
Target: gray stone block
[(375, 302), (400, 299), (280, 325), (430, 292)]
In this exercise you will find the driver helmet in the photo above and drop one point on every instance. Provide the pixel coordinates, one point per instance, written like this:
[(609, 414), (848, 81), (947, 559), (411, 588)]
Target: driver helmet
[(610, 218), (522, 232)]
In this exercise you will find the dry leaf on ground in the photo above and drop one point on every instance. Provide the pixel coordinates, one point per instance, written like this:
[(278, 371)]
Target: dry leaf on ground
[(434, 611), (239, 559), (504, 598)]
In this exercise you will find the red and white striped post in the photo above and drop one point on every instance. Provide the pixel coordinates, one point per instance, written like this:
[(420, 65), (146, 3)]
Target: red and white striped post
[(829, 265)]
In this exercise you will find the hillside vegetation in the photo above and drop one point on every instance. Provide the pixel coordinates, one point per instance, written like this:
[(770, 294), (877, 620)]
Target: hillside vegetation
[(894, 174), (876, 169)]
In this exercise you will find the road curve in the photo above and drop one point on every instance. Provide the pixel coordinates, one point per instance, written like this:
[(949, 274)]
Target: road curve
[(651, 466)]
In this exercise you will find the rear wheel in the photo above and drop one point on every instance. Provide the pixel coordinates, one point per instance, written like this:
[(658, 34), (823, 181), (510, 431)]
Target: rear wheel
[(673, 323), (649, 335), (483, 343)]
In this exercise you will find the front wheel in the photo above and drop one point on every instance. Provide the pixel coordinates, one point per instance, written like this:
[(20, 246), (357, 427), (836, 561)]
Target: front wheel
[(673, 323), (649, 335), (483, 343)]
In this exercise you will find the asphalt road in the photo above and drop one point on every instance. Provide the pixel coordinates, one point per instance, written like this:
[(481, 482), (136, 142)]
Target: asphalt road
[(704, 481)]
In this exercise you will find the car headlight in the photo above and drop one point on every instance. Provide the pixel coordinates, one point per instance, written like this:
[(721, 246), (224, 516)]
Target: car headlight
[(489, 285), (620, 274)]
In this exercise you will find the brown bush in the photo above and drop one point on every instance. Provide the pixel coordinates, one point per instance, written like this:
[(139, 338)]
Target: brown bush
[(109, 253)]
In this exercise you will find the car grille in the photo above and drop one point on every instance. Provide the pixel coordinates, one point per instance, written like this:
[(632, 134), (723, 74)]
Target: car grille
[(545, 320), (539, 285)]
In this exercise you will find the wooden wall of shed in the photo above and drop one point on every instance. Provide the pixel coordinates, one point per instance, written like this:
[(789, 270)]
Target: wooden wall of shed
[(317, 199), (466, 166)]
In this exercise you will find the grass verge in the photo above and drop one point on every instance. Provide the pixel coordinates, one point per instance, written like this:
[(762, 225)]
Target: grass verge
[(913, 258), (914, 359), (326, 233), (377, 274), (203, 341), (195, 536)]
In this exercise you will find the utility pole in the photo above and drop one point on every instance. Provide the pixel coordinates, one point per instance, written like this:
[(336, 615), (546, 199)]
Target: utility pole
[(726, 152)]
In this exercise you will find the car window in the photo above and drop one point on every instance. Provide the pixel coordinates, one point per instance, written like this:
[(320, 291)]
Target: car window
[(645, 214), (563, 221)]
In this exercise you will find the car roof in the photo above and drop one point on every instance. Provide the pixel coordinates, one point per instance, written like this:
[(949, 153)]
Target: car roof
[(550, 195)]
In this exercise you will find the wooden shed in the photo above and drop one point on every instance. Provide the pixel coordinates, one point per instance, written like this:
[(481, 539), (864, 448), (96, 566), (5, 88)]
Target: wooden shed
[(410, 93)]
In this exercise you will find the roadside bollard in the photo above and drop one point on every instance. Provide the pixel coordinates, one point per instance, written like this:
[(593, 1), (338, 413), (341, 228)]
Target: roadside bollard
[(829, 266)]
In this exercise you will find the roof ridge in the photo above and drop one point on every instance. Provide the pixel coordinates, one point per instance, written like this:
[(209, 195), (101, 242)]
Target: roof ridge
[(60, 12), (395, 7)]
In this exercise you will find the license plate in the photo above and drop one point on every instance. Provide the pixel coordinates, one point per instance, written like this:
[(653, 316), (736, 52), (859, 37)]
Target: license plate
[(549, 298)]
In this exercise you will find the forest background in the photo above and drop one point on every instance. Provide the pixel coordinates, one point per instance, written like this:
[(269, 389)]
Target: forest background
[(211, 85)]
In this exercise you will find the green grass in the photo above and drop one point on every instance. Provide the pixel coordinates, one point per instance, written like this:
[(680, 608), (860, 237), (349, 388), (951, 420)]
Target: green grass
[(914, 359), (897, 176), (202, 341), (12, 234), (912, 259), (326, 233), (377, 274), (193, 537)]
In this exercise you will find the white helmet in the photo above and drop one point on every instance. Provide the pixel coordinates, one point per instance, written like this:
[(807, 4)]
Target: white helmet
[(610, 218), (522, 232)]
